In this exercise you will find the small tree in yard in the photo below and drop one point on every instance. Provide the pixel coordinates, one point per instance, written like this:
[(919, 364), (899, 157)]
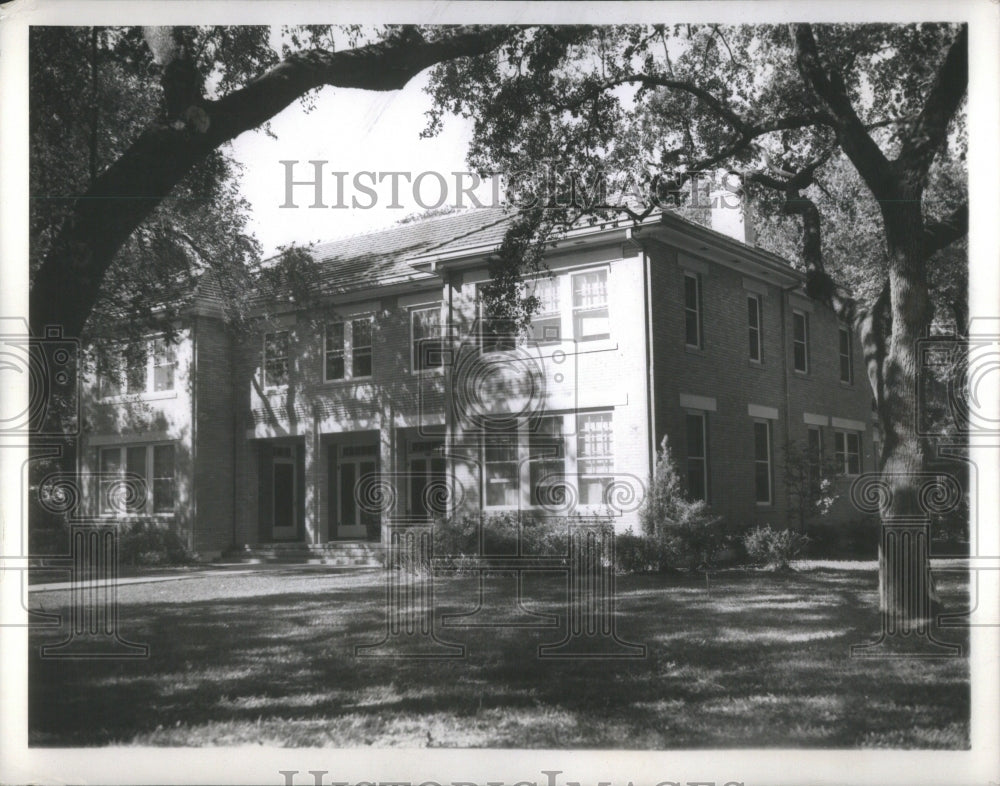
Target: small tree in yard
[(686, 533), (810, 482)]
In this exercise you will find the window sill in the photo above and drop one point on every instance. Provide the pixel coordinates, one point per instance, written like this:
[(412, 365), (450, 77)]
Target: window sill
[(692, 350), (128, 398), (426, 372), (801, 374), (755, 363), (345, 382)]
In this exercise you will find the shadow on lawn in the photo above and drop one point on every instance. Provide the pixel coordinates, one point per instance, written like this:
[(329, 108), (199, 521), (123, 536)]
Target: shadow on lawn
[(750, 661)]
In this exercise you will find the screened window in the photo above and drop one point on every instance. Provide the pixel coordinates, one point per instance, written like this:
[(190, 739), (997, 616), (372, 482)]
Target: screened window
[(546, 323), (846, 355), (137, 479), (753, 327), (147, 367), (427, 344), (590, 306), (546, 462), (692, 310), (847, 452), (800, 341), (697, 455), (762, 462), (276, 358), (594, 456), (348, 350), (500, 466)]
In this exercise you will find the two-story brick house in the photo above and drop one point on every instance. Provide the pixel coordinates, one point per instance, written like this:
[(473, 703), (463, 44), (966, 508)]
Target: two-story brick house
[(400, 400)]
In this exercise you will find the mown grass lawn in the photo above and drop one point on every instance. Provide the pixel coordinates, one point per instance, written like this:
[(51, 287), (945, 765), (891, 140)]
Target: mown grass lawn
[(754, 660)]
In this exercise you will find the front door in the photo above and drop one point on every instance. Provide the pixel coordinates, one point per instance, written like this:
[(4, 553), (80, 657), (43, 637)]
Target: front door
[(428, 492), (283, 496), (358, 503)]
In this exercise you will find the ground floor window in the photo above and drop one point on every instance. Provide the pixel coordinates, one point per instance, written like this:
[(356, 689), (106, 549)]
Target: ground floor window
[(847, 452), (531, 464), (762, 462), (696, 434), (137, 479)]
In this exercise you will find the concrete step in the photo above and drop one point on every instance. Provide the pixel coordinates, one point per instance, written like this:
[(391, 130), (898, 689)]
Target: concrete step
[(334, 553)]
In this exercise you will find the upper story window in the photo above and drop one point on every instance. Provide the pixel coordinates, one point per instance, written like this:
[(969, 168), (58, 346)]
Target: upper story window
[(348, 350), (137, 479), (847, 452), (800, 341), (426, 339), (590, 306), (546, 322), (147, 367), (846, 355), (692, 310), (276, 359), (754, 312)]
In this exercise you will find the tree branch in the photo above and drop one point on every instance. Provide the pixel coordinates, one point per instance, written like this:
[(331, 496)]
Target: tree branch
[(130, 189), (939, 234), (857, 144), (943, 101)]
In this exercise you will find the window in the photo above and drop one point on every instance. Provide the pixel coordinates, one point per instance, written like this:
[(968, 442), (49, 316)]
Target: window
[(547, 472), (348, 350), (148, 472), (814, 455), (276, 359), (692, 310), (697, 455), (590, 306), (146, 367), (594, 456), (501, 466), (846, 356), (753, 326), (546, 323), (800, 341), (762, 462), (427, 343), (847, 452)]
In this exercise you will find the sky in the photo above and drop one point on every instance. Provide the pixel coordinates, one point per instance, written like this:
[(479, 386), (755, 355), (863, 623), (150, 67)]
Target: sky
[(355, 131)]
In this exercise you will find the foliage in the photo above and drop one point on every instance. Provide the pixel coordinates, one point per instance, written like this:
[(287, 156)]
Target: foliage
[(773, 549), (149, 543), (685, 533), (857, 537), (810, 481)]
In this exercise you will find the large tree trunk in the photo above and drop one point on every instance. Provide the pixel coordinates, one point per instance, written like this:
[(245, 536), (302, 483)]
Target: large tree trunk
[(68, 282)]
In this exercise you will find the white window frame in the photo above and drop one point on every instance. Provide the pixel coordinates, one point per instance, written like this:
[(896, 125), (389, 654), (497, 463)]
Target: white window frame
[(413, 311), (768, 462), (844, 330), (149, 504), (578, 311), (805, 340), (843, 457), (267, 384), (148, 390), (756, 299), (557, 283), (348, 350), (698, 310)]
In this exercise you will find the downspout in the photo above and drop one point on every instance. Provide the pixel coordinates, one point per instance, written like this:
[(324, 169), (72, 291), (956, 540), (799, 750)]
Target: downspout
[(194, 432), (647, 286), (784, 359), (233, 360)]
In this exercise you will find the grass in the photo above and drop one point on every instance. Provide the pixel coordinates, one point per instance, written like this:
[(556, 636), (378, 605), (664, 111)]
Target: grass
[(753, 660)]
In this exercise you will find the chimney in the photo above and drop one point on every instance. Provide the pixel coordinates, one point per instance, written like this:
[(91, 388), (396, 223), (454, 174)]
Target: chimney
[(730, 210)]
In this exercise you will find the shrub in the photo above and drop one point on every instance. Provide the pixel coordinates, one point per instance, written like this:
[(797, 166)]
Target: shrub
[(146, 543), (771, 548), (637, 553), (858, 537), (458, 538), (685, 533)]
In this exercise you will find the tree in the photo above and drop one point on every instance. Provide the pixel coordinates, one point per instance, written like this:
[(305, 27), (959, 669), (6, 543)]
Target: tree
[(776, 104), (191, 122)]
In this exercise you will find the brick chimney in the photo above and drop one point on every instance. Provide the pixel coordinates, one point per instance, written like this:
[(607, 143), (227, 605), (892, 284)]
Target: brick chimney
[(730, 210)]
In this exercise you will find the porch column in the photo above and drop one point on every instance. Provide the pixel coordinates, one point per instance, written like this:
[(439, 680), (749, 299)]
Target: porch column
[(314, 479)]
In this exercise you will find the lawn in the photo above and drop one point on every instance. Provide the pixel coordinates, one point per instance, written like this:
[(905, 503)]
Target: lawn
[(750, 660)]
